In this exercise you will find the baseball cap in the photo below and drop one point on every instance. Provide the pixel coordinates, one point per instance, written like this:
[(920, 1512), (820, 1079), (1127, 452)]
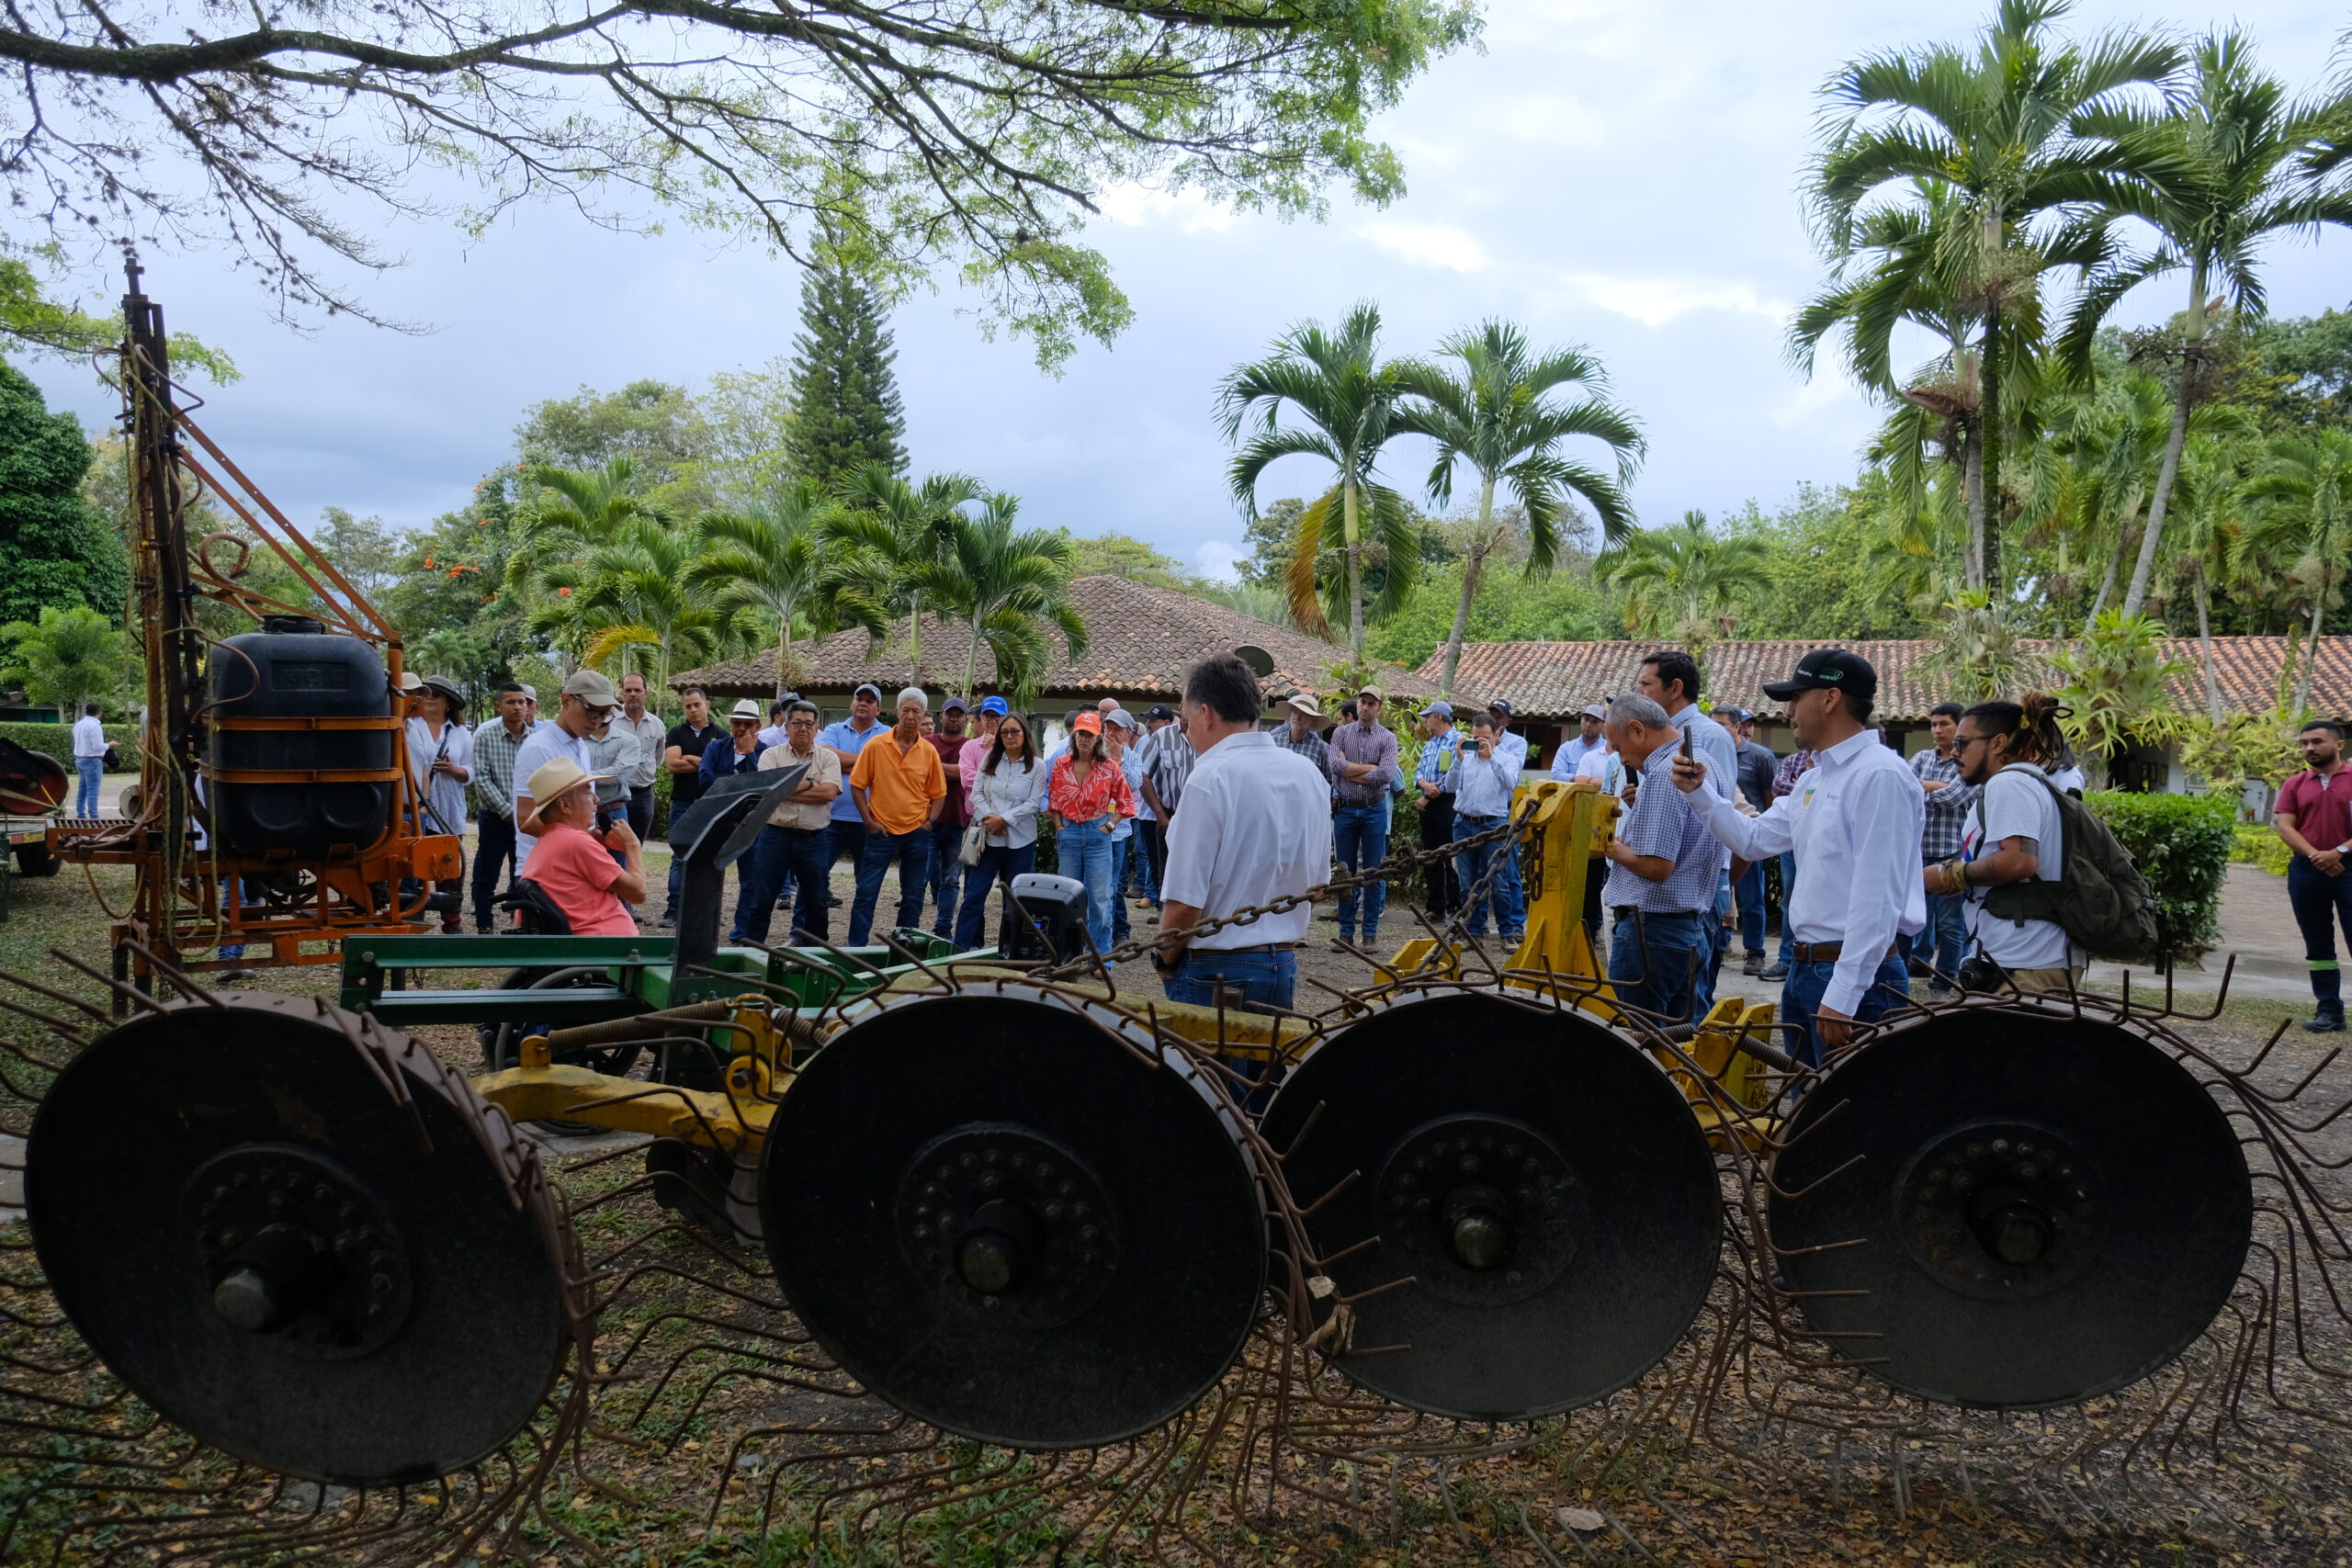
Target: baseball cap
[(1375, 692), (1088, 720), (1731, 711), (1501, 706), (593, 688), (868, 689), (530, 692), (1827, 669), (1121, 718), (1160, 711), (1596, 710), (1441, 708), (994, 705), (956, 704)]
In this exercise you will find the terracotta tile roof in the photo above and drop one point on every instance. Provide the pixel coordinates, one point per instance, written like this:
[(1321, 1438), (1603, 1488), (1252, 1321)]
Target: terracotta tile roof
[(1556, 679), (1143, 639)]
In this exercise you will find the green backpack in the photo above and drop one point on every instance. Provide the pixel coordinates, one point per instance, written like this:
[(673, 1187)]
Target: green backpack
[(2099, 897)]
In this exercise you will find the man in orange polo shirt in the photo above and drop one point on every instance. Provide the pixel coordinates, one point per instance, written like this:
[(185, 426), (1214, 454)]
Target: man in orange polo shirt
[(898, 787)]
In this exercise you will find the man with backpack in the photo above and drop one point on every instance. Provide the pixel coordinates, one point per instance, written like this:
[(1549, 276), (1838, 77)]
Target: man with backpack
[(2046, 883)]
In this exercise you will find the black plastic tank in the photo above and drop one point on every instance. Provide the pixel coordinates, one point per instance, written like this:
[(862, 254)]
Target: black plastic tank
[(294, 668)]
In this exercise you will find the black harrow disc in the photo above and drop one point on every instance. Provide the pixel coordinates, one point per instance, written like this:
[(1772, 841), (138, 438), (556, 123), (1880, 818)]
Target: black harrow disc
[(1016, 1219), (2048, 1207), (1542, 1180), (240, 1219)]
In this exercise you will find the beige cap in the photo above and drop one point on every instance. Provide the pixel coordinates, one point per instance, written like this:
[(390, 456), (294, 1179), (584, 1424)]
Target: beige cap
[(550, 782), (1375, 692), (593, 688)]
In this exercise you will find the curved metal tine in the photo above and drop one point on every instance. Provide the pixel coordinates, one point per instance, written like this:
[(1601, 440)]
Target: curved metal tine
[(188, 986), (890, 940), (119, 988)]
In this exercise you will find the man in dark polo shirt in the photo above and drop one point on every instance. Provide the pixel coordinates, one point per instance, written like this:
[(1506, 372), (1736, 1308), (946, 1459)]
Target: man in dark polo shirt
[(682, 752)]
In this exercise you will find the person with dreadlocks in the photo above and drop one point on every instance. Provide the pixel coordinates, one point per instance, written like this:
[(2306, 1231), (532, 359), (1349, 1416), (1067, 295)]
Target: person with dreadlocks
[(2013, 832)]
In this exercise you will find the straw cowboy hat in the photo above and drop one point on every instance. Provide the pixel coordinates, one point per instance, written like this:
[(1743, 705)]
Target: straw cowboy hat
[(550, 782)]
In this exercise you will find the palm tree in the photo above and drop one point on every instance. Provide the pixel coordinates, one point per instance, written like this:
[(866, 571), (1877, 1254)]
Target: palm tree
[(1495, 415), (1685, 582), (2221, 175), (575, 511), (2207, 519), (2307, 488), (1992, 126), (1007, 585), (764, 561), (71, 656), (879, 533), (1336, 382), (632, 593)]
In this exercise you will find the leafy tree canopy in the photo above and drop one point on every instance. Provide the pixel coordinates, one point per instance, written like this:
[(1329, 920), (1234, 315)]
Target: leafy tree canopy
[(1562, 608), (56, 551), (1119, 555)]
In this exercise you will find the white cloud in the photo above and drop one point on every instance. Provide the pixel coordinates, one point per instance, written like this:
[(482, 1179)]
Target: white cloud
[(1217, 560), (1654, 301), (1427, 244), (1140, 206)]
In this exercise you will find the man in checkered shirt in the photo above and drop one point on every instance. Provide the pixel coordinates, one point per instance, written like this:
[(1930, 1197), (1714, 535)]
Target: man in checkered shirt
[(1939, 949)]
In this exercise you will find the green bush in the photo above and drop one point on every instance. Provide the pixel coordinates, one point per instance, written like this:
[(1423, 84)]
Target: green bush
[(2181, 844), (57, 739), (2262, 847)]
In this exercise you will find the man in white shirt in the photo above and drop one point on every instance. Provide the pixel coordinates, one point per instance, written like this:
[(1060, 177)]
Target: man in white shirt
[(588, 698), (2011, 834), (643, 726), (1592, 736), (89, 761), (1255, 826), (1853, 824)]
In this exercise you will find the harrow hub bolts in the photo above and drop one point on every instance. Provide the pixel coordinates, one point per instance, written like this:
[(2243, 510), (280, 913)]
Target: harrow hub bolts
[(999, 1247), (282, 1273), (1480, 1220)]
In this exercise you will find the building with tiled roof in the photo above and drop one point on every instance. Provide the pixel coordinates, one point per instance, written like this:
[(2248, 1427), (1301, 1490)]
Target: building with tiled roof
[(1142, 640)]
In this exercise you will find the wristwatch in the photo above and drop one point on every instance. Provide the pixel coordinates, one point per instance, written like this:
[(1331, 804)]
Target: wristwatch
[(1162, 963)]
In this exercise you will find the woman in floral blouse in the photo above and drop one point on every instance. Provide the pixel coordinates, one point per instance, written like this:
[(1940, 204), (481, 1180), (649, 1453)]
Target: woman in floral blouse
[(1087, 796)]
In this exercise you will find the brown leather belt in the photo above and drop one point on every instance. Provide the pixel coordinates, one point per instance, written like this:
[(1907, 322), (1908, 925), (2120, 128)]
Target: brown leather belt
[(1821, 951)]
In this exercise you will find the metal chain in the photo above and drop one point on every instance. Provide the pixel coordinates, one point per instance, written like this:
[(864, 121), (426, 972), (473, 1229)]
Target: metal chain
[(1395, 868)]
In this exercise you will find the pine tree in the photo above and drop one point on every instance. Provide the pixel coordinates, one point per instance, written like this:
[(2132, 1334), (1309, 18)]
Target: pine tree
[(845, 395)]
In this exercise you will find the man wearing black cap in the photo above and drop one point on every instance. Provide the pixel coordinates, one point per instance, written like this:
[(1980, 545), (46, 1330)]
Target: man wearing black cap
[(1853, 823)]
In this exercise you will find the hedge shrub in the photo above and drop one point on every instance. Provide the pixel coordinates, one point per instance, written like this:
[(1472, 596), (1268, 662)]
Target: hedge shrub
[(2262, 847), (2182, 845), (57, 739)]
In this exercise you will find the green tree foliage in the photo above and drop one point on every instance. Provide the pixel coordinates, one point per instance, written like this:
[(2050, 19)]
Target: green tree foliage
[(658, 427), (767, 562), (362, 548), (56, 551), (1117, 555), (2303, 496), (69, 657), (881, 534), (1870, 593), (1010, 586), (1686, 582), (1566, 606), (33, 322), (845, 383), (1487, 404), (2117, 688), (1347, 398), (460, 608), (2304, 368)]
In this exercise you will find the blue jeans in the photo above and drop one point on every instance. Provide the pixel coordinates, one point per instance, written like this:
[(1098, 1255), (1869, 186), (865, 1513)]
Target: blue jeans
[(1083, 851), (1146, 855), (1650, 962), (777, 853), (1788, 897), (1801, 992), (1121, 858), (1943, 942), (1360, 838), (1749, 891), (1716, 937), (946, 876), (1471, 864), (89, 770), (1260, 979), (913, 854), (997, 864), (2320, 902)]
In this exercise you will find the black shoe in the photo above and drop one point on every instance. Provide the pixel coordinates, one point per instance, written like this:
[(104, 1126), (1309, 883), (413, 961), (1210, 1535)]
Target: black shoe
[(1753, 967), (2328, 1021), (1776, 972)]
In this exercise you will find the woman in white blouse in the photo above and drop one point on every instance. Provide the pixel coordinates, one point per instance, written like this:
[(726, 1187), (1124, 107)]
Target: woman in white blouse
[(1007, 794)]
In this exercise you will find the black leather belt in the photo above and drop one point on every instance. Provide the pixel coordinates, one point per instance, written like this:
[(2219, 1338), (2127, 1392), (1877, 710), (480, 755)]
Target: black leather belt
[(1624, 911)]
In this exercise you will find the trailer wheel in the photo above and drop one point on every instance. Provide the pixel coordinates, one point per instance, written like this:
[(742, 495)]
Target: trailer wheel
[(34, 860)]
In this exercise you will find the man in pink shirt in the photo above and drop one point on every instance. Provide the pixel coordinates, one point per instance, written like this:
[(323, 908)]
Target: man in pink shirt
[(572, 864), (976, 750)]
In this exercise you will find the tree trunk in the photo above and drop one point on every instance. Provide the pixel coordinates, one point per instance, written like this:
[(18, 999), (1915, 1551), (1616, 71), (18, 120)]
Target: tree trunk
[(782, 653), (1470, 583), (1351, 507), (972, 662), (1972, 491), (2311, 657), (2205, 648), (1986, 452), (2107, 583), (914, 640), (2194, 334)]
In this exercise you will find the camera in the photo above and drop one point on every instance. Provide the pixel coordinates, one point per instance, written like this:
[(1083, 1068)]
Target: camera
[(1979, 974)]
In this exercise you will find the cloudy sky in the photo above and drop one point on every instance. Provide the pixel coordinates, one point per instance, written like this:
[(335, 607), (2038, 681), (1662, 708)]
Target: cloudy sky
[(1623, 176)]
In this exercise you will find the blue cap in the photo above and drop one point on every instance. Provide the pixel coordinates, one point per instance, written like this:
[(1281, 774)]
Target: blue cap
[(1442, 708), (993, 704)]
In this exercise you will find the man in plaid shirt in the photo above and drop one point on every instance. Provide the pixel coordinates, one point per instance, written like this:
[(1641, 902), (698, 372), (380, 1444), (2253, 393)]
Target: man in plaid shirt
[(1938, 949), (495, 743)]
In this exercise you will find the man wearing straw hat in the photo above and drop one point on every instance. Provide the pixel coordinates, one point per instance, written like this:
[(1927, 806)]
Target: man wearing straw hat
[(573, 863)]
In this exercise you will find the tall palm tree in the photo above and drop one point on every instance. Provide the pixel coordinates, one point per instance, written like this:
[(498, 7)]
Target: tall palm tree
[(765, 561), (572, 513), (2221, 175), (879, 534), (1007, 585), (2305, 488), (2209, 518), (1336, 382), (1495, 413), (1685, 582), (1995, 125), (631, 592)]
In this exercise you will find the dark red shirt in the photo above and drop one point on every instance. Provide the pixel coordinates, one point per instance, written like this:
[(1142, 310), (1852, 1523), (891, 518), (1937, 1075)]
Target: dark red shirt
[(2321, 807), (956, 811)]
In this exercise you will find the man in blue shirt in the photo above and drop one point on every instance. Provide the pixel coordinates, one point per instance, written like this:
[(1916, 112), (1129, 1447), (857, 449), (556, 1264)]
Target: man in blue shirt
[(1481, 782), (1662, 873), (1671, 681), (847, 738), (1591, 736)]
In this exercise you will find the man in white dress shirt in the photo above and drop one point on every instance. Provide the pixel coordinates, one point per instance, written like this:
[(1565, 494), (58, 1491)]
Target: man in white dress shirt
[(1255, 824), (1853, 823)]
